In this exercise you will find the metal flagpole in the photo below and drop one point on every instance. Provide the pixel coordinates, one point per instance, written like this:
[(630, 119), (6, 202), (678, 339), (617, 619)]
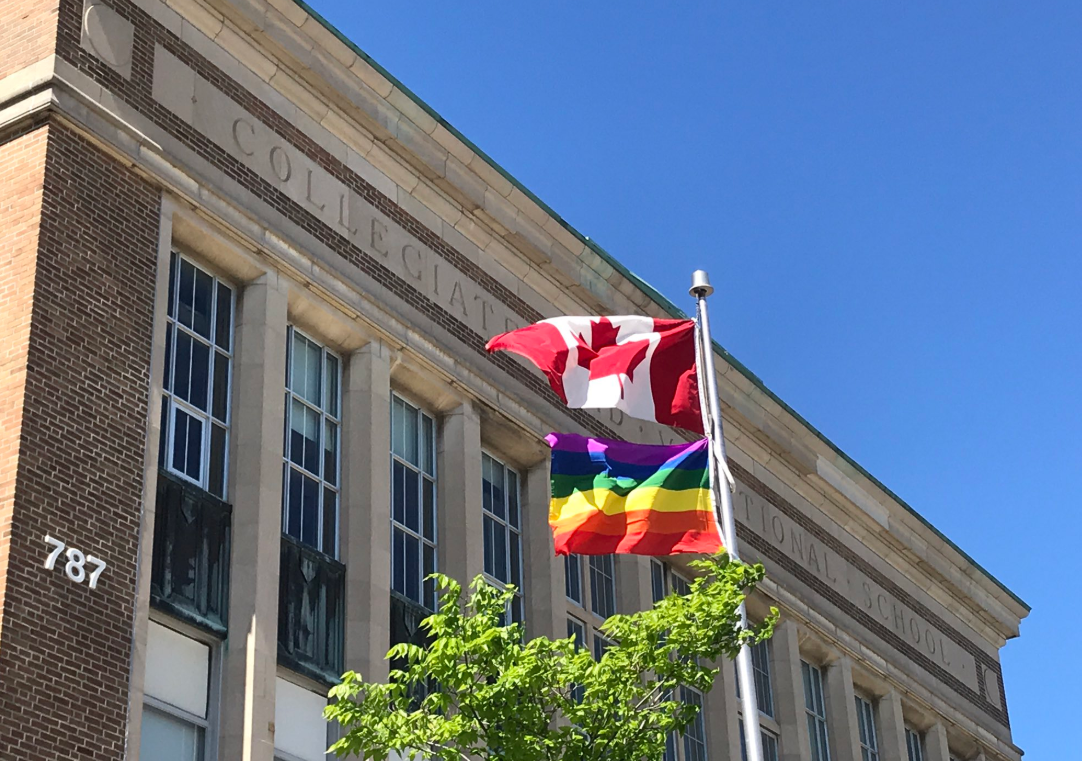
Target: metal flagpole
[(700, 289)]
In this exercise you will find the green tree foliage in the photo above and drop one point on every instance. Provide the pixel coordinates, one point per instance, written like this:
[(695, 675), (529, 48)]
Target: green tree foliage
[(505, 699)]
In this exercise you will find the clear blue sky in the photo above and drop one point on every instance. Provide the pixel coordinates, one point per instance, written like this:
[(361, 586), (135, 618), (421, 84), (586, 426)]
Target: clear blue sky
[(888, 194)]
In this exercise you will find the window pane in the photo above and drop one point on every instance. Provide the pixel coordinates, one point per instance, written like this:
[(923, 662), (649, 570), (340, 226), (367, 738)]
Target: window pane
[(428, 434), (216, 478), (295, 505), (429, 569), (813, 735), (221, 386), (657, 581), (171, 305), (330, 522), (297, 377), (330, 399), (486, 484), (186, 294), (490, 545), (204, 297), (515, 542), (296, 432), (512, 498), (398, 561), (409, 436), (497, 507), (223, 331), (573, 578), (330, 453), (398, 425), (499, 554), (182, 366), (163, 439), (398, 489), (200, 375), (313, 366), (310, 512), (770, 747), (413, 568), (187, 444), (167, 738), (170, 335), (428, 500), (413, 500)]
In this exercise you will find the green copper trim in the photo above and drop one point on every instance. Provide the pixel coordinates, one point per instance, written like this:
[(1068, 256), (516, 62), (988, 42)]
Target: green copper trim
[(648, 289)]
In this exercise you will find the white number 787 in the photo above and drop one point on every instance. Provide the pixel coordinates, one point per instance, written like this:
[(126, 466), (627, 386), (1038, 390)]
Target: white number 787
[(75, 568)]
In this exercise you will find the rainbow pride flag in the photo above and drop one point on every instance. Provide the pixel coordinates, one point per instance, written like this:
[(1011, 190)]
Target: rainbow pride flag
[(646, 499)]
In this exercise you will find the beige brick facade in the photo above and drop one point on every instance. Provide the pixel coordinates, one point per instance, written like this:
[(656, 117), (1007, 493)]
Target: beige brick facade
[(244, 138)]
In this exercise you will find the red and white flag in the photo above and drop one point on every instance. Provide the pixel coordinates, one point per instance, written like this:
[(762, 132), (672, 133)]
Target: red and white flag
[(640, 365)]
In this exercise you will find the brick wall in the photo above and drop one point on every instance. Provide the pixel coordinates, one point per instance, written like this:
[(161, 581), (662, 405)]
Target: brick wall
[(65, 649), (27, 32), (22, 171)]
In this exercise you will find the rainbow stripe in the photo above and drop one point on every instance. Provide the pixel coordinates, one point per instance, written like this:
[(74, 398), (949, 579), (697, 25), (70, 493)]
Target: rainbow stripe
[(612, 496)]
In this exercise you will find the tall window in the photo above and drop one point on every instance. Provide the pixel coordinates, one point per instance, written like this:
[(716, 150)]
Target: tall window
[(573, 578), (913, 745), (869, 741), (313, 421), (664, 580), (413, 502), (177, 697), (769, 742), (815, 709), (502, 529), (760, 670), (695, 734), (601, 644), (577, 630), (198, 364), (602, 585)]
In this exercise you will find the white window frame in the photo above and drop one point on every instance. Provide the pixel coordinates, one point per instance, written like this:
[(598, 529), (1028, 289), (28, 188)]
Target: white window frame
[(325, 417), (816, 713), (914, 744), (669, 580), (695, 741), (600, 644), (602, 569), (427, 591), (171, 403), (511, 533), (769, 739), (574, 561), (867, 734), (214, 686), (578, 629)]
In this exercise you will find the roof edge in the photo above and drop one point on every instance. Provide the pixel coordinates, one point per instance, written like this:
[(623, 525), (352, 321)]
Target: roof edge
[(649, 290)]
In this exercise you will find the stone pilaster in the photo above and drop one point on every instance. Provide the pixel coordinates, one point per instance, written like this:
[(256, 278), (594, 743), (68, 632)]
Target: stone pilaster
[(461, 540), (890, 727), (250, 653), (633, 591), (150, 483), (366, 514), (935, 744), (844, 734), (545, 584), (720, 711), (788, 683)]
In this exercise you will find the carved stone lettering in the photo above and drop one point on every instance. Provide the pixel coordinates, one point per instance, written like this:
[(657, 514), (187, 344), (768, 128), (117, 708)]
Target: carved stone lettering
[(813, 556)]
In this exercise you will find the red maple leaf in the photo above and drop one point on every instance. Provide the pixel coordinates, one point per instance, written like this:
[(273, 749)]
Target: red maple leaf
[(602, 356)]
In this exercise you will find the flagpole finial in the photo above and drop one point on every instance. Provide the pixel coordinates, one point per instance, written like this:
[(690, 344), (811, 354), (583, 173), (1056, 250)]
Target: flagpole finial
[(700, 284)]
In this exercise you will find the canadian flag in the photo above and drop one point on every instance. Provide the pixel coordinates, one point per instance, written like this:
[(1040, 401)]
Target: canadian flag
[(640, 365)]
